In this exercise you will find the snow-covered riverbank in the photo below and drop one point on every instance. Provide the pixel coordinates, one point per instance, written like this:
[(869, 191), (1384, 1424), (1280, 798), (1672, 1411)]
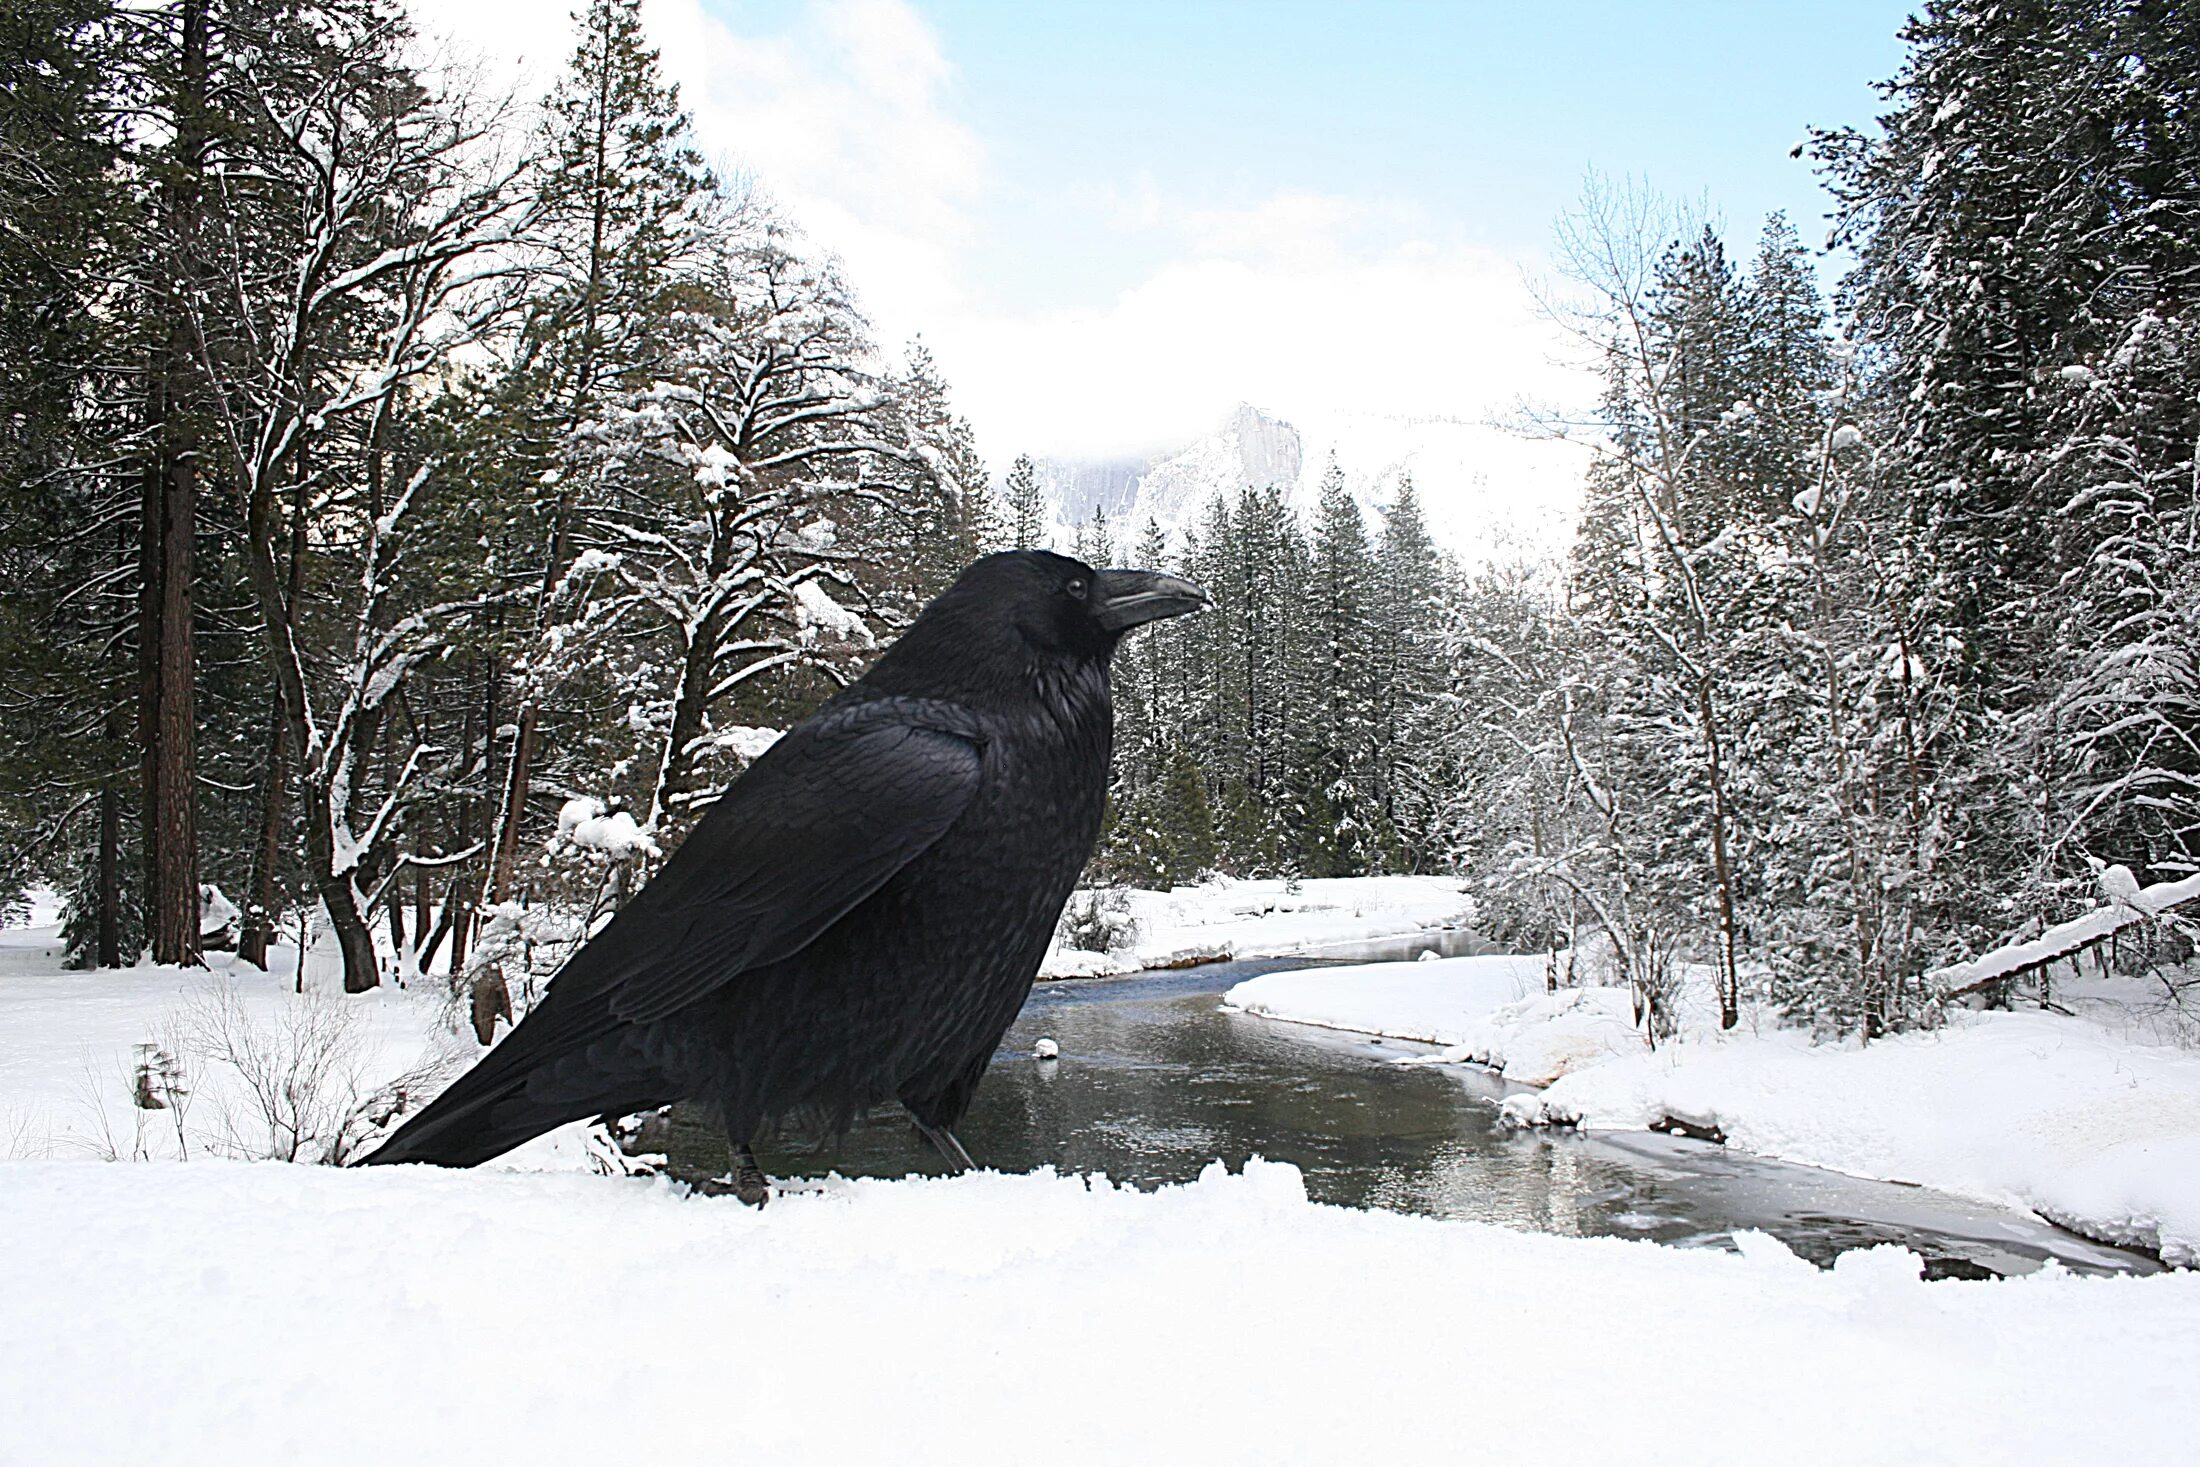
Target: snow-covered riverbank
[(1224, 918), (223, 1312), (2088, 1119)]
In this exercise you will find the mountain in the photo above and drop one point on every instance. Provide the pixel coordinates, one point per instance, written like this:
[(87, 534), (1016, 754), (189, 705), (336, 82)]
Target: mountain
[(1487, 494)]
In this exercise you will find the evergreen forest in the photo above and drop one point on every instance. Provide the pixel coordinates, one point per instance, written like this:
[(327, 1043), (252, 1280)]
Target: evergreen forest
[(416, 504)]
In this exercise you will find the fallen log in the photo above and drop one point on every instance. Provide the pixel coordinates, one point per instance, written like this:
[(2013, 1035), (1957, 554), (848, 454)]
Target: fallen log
[(2064, 939)]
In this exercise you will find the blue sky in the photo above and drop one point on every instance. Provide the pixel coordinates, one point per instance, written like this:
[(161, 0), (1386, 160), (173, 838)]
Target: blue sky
[(1480, 116), (1113, 221)]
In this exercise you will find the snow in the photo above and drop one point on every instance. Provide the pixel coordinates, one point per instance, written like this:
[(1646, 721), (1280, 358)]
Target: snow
[(1491, 1010), (817, 611), (533, 1311), (562, 1318), (2087, 1120), (583, 823), (746, 741), (1225, 918), (71, 1044)]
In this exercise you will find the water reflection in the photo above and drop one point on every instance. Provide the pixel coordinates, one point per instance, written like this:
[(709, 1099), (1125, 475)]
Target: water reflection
[(1155, 1081)]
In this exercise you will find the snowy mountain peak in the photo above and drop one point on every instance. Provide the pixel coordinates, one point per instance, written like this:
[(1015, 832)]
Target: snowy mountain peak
[(1487, 494)]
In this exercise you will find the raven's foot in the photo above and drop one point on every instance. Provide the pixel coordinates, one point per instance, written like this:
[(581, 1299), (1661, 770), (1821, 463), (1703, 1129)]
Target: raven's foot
[(748, 1182), (944, 1142)]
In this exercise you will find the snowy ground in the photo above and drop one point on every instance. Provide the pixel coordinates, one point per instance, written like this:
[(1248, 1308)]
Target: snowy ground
[(2091, 1120), (222, 1045), (1224, 918), (72, 1044), (221, 1312)]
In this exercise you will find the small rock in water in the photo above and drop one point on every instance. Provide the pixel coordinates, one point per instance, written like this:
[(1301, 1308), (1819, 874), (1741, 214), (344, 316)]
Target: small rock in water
[(1046, 1049)]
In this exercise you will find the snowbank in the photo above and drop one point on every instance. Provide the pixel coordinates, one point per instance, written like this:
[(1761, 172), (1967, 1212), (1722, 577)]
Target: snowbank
[(2091, 1128), (2081, 1119), (1490, 1010), (219, 1312), (1225, 918)]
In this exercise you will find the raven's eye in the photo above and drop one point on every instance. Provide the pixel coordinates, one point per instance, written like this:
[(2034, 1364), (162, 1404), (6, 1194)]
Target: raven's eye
[(1076, 587)]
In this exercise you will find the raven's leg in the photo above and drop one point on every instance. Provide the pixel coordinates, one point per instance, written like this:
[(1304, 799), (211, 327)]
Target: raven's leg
[(944, 1142), (747, 1181)]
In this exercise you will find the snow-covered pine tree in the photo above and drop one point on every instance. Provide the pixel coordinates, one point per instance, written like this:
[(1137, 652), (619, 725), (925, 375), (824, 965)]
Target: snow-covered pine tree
[(1094, 543), (947, 512), (622, 201), (1336, 750), (1407, 612), (1024, 506), (2023, 219)]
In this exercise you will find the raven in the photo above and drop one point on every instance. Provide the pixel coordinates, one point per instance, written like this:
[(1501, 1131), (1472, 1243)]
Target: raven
[(860, 917)]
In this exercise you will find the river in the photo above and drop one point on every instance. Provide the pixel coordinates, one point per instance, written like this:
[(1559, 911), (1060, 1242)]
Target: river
[(1155, 1081)]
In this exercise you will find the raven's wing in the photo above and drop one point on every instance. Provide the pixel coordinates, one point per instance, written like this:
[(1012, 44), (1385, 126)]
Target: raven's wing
[(821, 821)]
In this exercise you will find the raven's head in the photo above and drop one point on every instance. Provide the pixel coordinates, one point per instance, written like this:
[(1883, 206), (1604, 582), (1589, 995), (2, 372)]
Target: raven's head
[(1064, 606), (1021, 609)]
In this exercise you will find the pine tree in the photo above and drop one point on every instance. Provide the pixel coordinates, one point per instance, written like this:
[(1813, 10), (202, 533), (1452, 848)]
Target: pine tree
[(67, 761), (1408, 607), (1024, 505), (621, 201), (1339, 761), (2022, 223), (950, 516)]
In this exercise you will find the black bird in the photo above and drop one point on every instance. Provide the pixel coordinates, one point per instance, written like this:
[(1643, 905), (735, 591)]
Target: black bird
[(861, 916)]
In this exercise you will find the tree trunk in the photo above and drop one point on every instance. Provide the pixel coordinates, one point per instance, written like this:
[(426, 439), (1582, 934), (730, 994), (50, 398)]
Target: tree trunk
[(675, 770), (353, 939), (166, 650), (1730, 985), (455, 919), (517, 777), (259, 912), (109, 945), (259, 919)]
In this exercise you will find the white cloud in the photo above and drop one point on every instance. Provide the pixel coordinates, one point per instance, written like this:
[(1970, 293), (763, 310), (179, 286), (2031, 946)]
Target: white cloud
[(1289, 305), (1299, 302), (843, 119)]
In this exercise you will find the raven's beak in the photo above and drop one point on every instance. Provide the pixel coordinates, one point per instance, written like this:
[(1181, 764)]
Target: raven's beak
[(1127, 598)]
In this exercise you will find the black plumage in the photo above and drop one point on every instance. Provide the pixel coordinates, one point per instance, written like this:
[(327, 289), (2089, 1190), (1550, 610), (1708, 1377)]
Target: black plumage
[(861, 916)]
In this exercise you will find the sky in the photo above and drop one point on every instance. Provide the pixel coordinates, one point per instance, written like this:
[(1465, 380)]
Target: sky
[(1111, 222)]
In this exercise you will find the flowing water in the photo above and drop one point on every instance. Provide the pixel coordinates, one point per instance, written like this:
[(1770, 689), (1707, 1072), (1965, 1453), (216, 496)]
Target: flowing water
[(1155, 1081)]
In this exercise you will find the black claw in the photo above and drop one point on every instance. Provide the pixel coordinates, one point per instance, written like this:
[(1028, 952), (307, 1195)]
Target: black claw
[(944, 1142)]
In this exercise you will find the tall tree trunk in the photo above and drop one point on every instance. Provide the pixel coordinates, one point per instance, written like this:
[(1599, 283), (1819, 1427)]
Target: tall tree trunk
[(315, 798), (109, 941), (1729, 975), (166, 650), (267, 853), (423, 915), (676, 769), (517, 778)]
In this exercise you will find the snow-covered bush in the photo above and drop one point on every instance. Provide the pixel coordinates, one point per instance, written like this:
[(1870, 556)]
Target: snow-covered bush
[(1097, 922)]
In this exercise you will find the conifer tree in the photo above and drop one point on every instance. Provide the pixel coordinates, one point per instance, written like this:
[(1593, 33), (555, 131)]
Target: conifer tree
[(1024, 505), (620, 199)]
